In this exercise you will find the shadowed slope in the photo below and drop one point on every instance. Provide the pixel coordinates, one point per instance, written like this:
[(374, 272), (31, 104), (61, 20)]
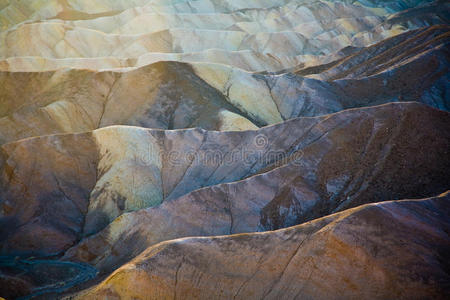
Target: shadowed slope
[(121, 169), (340, 161)]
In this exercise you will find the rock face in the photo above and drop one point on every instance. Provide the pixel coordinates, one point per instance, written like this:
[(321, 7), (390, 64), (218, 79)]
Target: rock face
[(283, 124), (353, 254)]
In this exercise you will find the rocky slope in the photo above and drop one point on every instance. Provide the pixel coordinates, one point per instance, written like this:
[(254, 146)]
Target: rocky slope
[(353, 254), (338, 162), (83, 181), (170, 95), (276, 138), (287, 29)]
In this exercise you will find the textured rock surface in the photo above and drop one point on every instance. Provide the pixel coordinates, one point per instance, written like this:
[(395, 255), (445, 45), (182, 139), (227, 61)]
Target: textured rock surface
[(353, 254), (125, 124), (345, 160), (167, 95), (287, 30), (111, 44), (52, 177)]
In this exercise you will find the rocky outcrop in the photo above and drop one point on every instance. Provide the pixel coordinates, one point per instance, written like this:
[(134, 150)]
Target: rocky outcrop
[(358, 253)]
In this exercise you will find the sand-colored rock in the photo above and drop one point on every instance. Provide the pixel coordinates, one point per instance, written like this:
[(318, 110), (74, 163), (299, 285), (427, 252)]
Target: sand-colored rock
[(162, 95), (358, 253), (245, 59), (171, 95), (286, 32)]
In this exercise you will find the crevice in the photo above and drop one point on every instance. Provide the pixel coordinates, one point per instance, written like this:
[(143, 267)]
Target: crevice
[(107, 98), (307, 280), (58, 184), (287, 265), (205, 134), (220, 164), (225, 92), (269, 87), (228, 201), (176, 277), (245, 282)]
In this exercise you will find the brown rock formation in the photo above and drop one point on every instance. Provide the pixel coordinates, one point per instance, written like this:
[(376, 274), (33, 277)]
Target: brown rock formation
[(348, 159), (358, 253)]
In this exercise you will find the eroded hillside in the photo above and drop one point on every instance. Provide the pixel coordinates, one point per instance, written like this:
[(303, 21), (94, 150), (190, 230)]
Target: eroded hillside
[(224, 149)]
